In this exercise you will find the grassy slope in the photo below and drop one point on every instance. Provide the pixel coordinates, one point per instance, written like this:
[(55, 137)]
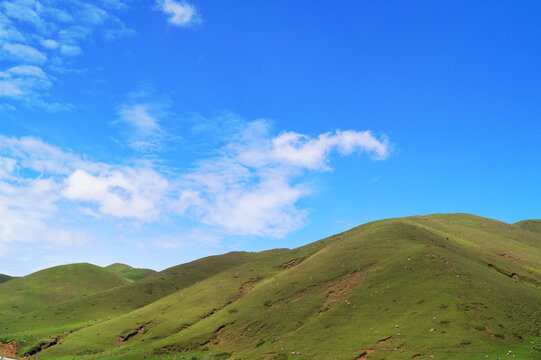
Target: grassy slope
[(4, 278), (129, 272), (530, 225), (54, 285), (49, 322), (422, 282)]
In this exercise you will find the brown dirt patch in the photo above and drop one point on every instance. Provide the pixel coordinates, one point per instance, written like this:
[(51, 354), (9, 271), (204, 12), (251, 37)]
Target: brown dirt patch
[(289, 264), (340, 288), (42, 346), (509, 257), (336, 289), (9, 349), (139, 330), (220, 338)]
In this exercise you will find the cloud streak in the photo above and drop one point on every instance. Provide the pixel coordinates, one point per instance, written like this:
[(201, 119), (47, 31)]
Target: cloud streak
[(180, 13), (49, 35), (144, 131), (251, 186)]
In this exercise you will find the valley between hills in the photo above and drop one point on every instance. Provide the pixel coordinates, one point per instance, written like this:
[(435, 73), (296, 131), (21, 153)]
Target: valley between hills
[(443, 286)]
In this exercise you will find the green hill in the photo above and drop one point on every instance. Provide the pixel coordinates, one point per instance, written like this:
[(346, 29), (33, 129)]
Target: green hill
[(96, 307), (531, 225), (4, 278), (444, 286), (129, 272), (53, 286)]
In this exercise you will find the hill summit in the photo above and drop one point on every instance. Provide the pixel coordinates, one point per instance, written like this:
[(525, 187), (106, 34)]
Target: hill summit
[(129, 272)]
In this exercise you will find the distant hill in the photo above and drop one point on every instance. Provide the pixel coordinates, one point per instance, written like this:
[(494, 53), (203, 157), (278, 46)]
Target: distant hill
[(129, 272), (54, 285), (531, 225), (121, 300), (444, 286), (4, 278)]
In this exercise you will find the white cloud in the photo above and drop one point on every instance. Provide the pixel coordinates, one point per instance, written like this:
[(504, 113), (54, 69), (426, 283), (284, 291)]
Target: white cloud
[(49, 34), (143, 120), (180, 13), (27, 70), (23, 53), (124, 193), (90, 14), (70, 50), (50, 44), (34, 154), (140, 118), (22, 81), (303, 151), (120, 191), (23, 11), (25, 206), (250, 187)]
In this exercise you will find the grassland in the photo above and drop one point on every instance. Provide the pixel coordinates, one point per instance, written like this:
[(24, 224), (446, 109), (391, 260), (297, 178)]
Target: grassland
[(129, 272), (531, 225), (4, 278), (54, 285), (444, 286)]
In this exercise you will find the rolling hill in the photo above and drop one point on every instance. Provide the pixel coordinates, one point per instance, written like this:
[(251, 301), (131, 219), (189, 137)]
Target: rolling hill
[(129, 272), (531, 225), (444, 286), (54, 285)]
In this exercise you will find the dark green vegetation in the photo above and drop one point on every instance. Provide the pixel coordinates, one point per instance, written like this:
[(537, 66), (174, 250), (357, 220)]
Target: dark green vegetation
[(4, 278), (451, 286), (130, 273)]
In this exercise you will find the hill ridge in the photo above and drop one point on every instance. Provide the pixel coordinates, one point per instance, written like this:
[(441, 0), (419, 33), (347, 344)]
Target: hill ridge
[(451, 286)]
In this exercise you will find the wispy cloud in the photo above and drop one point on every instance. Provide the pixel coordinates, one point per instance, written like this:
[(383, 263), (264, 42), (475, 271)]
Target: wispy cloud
[(27, 83), (251, 186), (49, 35), (23, 53), (115, 4), (145, 133), (23, 80), (180, 13)]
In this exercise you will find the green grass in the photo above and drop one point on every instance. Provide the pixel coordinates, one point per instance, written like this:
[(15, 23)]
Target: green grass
[(530, 225), (129, 272), (82, 311), (54, 285), (444, 286), (4, 278)]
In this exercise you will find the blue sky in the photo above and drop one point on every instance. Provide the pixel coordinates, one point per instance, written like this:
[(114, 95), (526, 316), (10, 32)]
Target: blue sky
[(157, 132)]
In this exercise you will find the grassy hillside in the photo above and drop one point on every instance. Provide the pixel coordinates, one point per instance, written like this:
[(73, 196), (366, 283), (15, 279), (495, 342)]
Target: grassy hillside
[(129, 272), (54, 285), (4, 278), (445, 286), (530, 225), (81, 311)]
